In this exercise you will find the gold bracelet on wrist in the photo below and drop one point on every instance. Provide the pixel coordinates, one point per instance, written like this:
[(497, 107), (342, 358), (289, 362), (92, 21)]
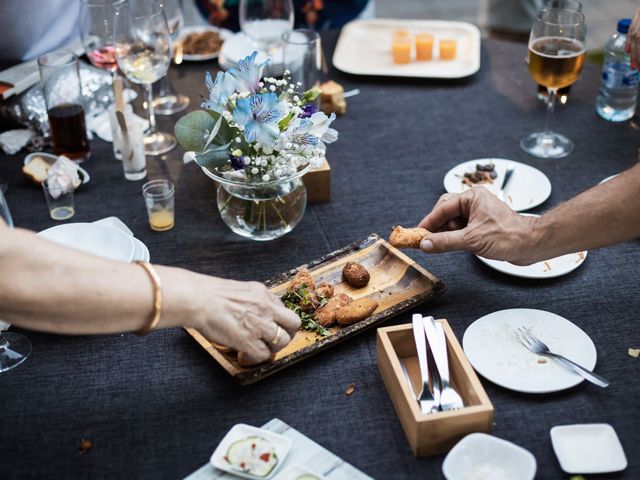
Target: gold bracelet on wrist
[(157, 298)]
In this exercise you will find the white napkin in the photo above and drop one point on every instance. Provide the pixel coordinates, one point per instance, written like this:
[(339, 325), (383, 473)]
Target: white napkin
[(101, 127), (12, 141)]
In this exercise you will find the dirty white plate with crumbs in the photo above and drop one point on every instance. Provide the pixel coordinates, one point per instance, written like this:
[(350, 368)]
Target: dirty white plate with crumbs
[(588, 448), (497, 354), (482, 456), (251, 452), (527, 188), (552, 268)]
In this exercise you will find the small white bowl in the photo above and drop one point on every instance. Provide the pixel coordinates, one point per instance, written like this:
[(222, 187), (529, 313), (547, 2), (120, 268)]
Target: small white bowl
[(479, 456), (240, 431), (101, 240), (588, 448), (51, 159)]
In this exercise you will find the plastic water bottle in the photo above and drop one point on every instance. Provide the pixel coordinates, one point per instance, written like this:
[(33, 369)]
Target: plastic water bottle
[(619, 88)]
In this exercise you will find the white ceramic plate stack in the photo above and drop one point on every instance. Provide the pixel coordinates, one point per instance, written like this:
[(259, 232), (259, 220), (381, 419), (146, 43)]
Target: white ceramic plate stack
[(494, 350), (364, 48), (108, 238), (528, 187)]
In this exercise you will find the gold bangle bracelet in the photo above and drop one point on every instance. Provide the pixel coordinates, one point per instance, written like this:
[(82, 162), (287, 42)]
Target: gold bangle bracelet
[(157, 298)]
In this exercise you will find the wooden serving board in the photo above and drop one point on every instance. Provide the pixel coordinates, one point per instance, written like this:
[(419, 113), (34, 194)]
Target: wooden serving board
[(397, 283)]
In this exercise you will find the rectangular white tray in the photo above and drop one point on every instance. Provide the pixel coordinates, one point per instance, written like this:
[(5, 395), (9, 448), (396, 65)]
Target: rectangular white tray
[(364, 48)]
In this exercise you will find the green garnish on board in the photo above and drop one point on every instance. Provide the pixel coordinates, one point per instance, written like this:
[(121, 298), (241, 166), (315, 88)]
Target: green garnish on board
[(295, 299)]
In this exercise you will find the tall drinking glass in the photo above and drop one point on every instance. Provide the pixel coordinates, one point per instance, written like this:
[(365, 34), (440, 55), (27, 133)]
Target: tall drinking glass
[(265, 21), (60, 81), (303, 56), (14, 347), (167, 101), (556, 56), (96, 30), (143, 52)]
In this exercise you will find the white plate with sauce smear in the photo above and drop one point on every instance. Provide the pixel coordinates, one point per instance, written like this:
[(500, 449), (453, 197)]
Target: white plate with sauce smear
[(528, 187), (497, 354), (364, 48), (553, 268)]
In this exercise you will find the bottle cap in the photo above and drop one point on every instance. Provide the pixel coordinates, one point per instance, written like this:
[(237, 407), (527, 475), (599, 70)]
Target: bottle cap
[(623, 25)]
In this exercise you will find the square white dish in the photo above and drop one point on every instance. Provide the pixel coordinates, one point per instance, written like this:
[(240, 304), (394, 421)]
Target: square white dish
[(482, 456), (364, 48), (588, 448), (241, 431), (299, 472)]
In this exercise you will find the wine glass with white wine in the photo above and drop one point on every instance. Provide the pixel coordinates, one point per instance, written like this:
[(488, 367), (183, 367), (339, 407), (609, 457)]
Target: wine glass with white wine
[(167, 101), (556, 56), (265, 21), (15, 347), (143, 53)]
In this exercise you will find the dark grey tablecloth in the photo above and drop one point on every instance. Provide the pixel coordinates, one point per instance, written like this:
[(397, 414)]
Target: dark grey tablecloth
[(155, 407)]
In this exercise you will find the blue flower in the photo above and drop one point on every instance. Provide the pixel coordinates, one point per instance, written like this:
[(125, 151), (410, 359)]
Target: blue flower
[(259, 115), (298, 135), (236, 162), (247, 75), (219, 91)]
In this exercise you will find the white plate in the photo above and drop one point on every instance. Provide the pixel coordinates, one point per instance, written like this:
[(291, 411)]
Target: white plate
[(238, 46), (281, 444), (141, 252), (495, 352), (101, 240), (224, 35), (588, 448), (294, 472), (528, 187), (364, 48), (481, 456), (50, 159), (609, 178), (556, 267)]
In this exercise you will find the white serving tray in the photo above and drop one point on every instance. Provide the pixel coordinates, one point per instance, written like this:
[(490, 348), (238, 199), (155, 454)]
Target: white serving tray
[(364, 48)]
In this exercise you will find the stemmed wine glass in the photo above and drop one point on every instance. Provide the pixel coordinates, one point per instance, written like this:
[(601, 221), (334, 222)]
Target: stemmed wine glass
[(556, 56), (265, 21), (167, 101), (14, 347), (143, 53), (96, 30)]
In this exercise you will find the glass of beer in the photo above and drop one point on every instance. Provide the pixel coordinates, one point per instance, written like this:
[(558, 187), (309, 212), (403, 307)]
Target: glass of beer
[(60, 81), (556, 56)]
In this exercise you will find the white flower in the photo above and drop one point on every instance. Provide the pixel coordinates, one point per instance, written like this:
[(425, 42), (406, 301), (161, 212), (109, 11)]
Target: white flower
[(265, 178), (246, 160), (272, 88), (254, 170), (296, 98), (267, 150), (299, 84), (238, 140)]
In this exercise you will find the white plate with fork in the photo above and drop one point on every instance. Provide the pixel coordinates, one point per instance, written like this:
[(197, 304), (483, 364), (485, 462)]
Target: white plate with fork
[(527, 188), (491, 345)]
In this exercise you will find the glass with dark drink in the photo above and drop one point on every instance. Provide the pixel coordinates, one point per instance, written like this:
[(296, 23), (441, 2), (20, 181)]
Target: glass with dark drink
[(556, 56), (60, 80)]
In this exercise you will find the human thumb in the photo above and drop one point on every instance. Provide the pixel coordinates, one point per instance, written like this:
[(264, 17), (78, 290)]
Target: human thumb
[(443, 242)]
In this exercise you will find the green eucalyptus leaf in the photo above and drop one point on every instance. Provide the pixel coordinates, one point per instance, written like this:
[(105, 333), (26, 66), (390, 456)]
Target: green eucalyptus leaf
[(215, 156), (193, 130)]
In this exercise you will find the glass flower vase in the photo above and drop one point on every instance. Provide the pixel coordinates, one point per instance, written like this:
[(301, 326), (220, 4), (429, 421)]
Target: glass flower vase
[(261, 211)]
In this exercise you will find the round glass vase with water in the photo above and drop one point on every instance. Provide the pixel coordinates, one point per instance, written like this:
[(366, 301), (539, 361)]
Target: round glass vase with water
[(261, 211)]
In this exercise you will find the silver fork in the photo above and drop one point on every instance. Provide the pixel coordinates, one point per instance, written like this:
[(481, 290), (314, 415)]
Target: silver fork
[(449, 398), (425, 398), (505, 183), (538, 347)]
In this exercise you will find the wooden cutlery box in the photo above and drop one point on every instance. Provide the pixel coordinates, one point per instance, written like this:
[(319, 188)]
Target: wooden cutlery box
[(318, 183), (438, 432)]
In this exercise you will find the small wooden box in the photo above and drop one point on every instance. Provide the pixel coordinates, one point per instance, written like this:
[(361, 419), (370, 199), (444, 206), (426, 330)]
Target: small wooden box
[(438, 432), (318, 183)]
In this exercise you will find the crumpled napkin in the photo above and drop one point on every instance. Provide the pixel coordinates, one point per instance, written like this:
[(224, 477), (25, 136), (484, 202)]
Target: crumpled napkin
[(12, 141), (63, 177)]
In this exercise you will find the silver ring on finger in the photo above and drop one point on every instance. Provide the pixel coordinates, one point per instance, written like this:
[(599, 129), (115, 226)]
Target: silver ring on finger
[(276, 337)]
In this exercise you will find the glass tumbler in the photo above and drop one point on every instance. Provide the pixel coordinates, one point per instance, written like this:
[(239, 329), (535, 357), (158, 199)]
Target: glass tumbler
[(59, 201), (159, 197), (60, 82), (303, 57)]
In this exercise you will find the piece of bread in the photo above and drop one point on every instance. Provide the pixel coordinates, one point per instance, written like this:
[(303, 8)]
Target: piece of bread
[(332, 98), (302, 277), (326, 315), (37, 169), (356, 311), (408, 237), (355, 275)]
